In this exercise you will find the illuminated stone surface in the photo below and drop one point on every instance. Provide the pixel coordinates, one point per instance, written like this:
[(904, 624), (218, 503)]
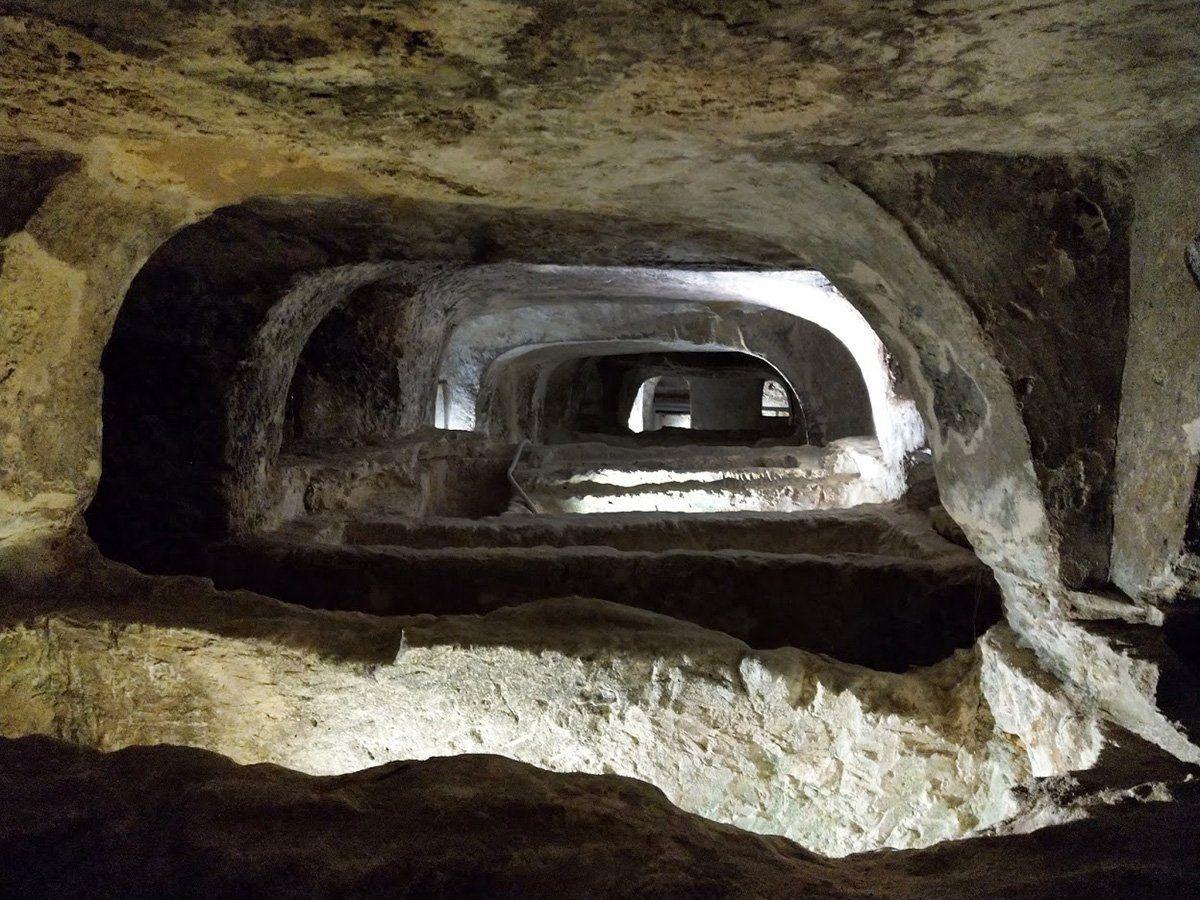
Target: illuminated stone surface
[(838, 758), (246, 251)]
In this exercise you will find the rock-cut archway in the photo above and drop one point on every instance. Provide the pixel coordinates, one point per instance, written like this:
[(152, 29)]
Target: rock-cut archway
[(204, 346)]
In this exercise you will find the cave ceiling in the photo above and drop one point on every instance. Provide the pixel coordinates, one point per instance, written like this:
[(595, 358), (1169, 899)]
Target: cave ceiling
[(485, 98)]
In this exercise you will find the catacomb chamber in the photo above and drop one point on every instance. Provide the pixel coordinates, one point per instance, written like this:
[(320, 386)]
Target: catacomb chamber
[(678, 524), (405, 438), (653, 451)]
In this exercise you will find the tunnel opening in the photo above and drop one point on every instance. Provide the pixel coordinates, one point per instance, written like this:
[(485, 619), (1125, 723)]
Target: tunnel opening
[(732, 391), (671, 405), (331, 565), (360, 451), (775, 401)]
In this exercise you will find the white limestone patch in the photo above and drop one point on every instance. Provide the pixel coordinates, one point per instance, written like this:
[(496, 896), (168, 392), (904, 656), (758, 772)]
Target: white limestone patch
[(1191, 433), (836, 757)]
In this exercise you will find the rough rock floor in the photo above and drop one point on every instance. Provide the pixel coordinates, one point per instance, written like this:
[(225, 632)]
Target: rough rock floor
[(171, 821)]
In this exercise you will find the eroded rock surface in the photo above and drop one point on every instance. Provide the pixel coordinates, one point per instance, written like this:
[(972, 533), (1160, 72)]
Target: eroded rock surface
[(1004, 191), (837, 757), (173, 820)]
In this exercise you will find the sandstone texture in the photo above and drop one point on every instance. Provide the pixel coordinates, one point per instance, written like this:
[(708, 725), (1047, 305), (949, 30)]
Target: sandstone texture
[(837, 757), (288, 288), (174, 820)]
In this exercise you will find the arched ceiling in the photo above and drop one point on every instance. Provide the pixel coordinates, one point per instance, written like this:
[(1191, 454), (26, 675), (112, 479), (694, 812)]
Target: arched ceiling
[(505, 307), (504, 400)]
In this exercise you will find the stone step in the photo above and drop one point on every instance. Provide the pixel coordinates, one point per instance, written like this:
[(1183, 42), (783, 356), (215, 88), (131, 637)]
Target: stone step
[(773, 491), (879, 530), (884, 613), (589, 478)]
